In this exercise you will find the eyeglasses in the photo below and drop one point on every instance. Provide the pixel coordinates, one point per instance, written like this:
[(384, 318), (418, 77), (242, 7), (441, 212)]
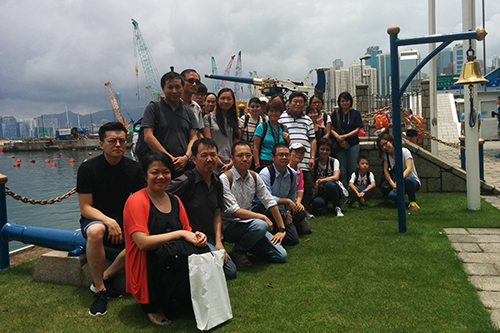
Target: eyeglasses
[(115, 141), (193, 81), (282, 155)]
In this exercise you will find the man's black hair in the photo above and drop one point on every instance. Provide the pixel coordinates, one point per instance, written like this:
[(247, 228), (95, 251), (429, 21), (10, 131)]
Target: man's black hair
[(362, 157), (169, 77), (207, 142), (255, 100), (202, 89), (297, 94), (240, 143), (279, 145), (112, 126)]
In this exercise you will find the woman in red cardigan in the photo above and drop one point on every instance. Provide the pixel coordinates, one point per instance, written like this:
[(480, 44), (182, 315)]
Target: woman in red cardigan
[(152, 217)]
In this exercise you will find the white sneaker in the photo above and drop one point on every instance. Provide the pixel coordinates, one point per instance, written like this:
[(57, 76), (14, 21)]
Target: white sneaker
[(338, 211)]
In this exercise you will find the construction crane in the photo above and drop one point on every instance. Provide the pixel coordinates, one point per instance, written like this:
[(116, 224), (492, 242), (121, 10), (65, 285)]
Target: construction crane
[(215, 72), (152, 76), (226, 72), (306, 81), (114, 104), (237, 71)]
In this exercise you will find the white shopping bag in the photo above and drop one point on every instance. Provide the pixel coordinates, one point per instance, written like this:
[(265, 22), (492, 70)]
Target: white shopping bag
[(209, 290)]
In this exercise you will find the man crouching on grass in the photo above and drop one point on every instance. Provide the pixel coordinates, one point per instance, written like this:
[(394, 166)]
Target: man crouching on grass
[(103, 184)]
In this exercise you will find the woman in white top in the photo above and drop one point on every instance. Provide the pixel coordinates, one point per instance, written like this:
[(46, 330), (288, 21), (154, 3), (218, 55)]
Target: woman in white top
[(385, 144)]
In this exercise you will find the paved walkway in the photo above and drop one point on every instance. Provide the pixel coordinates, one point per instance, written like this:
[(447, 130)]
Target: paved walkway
[(479, 248)]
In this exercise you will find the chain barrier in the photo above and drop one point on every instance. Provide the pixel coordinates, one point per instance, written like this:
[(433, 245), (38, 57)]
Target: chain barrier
[(414, 125), (39, 202)]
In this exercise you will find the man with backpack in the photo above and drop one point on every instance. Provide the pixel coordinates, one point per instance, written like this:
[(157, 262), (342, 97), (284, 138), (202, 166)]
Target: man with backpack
[(201, 194), (169, 125), (281, 182), (250, 231)]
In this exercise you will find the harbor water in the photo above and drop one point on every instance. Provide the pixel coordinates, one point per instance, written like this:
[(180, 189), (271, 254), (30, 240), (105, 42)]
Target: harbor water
[(43, 181)]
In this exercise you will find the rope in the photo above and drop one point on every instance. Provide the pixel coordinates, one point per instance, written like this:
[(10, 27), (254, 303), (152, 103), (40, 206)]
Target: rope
[(39, 202)]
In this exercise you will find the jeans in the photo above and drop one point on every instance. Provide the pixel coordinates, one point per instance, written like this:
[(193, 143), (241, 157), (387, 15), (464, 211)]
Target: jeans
[(411, 187), (253, 237), (229, 267), (348, 158), (331, 193), (291, 236)]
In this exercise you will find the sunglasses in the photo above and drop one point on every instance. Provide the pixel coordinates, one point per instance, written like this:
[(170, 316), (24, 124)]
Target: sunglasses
[(193, 81)]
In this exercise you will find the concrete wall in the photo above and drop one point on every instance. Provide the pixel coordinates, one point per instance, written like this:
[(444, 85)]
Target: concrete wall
[(435, 174)]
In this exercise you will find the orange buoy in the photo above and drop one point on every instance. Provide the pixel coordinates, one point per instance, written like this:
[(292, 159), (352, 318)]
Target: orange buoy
[(17, 164), (72, 160), (12, 156), (54, 164), (32, 160), (60, 154), (18, 160), (1, 150), (47, 160), (90, 153)]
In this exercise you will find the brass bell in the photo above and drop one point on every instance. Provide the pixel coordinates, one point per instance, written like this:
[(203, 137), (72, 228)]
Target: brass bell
[(471, 74)]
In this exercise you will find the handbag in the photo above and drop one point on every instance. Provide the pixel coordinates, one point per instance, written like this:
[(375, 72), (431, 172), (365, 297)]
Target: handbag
[(385, 187), (209, 294)]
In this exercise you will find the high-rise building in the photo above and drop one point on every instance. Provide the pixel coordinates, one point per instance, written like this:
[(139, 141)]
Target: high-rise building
[(384, 74), (373, 51), (408, 60), (495, 62), (444, 62), (341, 82), (338, 63), (458, 58), (354, 77)]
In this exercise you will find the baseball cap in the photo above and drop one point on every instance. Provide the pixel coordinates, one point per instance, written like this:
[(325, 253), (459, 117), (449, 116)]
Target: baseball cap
[(263, 99), (297, 145)]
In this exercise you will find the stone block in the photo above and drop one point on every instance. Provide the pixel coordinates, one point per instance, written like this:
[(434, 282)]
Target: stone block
[(490, 299), (452, 183), (423, 185), (490, 247), (486, 283), (479, 258), (480, 269), (484, 231), (57, 267), (456, 231), (466, 247), (427, 170), (434, 185), (495, 318), (474, 238)]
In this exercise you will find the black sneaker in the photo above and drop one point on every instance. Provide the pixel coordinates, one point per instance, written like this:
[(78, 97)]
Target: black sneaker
[(240, 259), (113, 294), (99, 304)]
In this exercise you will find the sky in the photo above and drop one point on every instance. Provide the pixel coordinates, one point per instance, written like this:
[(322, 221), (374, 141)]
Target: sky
[(58, 54)]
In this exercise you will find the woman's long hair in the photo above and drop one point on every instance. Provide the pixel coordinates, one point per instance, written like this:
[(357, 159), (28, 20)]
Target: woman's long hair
[(384, 136), (232, 115)]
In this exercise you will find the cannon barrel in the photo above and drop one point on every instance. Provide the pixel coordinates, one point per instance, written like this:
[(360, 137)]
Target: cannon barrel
[(57, 239), (247, 80)]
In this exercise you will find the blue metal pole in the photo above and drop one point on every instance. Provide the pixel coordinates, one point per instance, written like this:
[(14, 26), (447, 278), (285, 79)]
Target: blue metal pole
[(4, 245), (396, 128), (462, 153), (481, 160)]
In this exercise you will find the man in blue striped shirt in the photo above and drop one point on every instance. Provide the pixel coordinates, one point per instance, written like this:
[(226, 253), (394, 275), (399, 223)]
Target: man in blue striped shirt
[(301, 130)]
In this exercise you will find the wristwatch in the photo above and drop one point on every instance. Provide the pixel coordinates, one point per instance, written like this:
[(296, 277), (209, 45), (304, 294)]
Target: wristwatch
[(189, 157), (281, 229)]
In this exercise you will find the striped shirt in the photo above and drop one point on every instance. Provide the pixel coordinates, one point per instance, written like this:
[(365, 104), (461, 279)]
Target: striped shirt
[(301, 130), (249, 130)]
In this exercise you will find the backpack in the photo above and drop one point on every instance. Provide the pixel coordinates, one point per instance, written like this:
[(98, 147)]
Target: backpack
[(141, 148), (264, 131), (272, 173), (229, 176), (245, 125), (381, 121)]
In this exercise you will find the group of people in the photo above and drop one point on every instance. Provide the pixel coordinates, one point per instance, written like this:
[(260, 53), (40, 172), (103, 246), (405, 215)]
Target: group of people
[(205, 178)]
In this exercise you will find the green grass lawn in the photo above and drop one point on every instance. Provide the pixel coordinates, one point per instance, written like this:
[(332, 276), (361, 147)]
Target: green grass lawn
[(352, 274)]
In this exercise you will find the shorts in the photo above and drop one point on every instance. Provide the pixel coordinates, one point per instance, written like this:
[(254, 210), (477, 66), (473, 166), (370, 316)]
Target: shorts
[(85, 223), (411, 133)]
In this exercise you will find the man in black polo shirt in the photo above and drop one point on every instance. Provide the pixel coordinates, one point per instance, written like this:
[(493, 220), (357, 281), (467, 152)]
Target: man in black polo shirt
[(169, 125), (104, 184), (201, 193)]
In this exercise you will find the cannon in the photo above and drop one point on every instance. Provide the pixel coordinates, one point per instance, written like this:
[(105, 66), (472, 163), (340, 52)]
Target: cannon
[(271, 86)]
